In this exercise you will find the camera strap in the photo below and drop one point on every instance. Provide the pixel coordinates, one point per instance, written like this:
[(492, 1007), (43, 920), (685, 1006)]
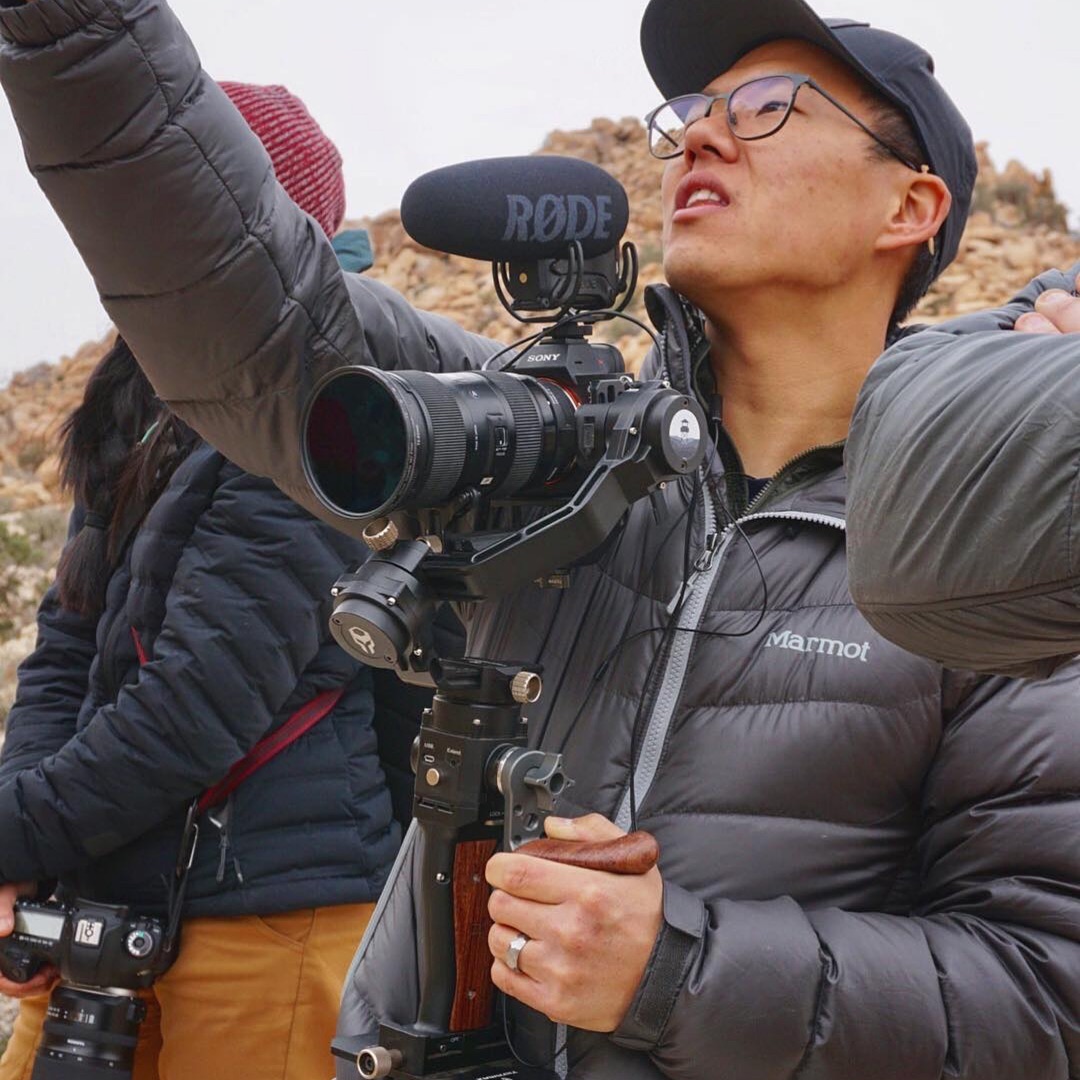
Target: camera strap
[(262, 753)]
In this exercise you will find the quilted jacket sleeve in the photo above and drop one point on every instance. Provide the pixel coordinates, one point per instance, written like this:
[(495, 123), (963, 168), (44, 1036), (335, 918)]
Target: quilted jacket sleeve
[(981, 979), (964, 482), (230, 296), (245, 615)]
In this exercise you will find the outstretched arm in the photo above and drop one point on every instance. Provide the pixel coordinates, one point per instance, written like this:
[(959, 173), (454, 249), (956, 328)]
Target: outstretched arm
[(230, 296)]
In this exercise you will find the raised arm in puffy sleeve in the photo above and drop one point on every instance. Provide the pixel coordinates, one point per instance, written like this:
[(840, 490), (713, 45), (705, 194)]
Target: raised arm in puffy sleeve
[(230, 296)]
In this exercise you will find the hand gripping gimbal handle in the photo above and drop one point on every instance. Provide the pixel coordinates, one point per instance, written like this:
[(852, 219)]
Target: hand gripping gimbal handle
[(636, 853)]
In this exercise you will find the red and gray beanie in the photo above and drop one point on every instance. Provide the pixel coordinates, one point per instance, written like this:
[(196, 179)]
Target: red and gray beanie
[(305, 161)]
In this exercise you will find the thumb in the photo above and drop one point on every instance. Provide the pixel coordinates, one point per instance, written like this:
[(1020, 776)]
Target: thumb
[(8, 894), (592, 828), (1061, 309)]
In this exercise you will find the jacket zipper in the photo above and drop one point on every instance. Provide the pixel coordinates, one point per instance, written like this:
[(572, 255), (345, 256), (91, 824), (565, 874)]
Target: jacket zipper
[(695, 595), (796, 515), (221, 819), (703, 565)]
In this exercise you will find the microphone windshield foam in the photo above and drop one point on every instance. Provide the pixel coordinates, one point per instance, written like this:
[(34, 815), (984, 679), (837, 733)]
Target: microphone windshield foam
[(517, 209)]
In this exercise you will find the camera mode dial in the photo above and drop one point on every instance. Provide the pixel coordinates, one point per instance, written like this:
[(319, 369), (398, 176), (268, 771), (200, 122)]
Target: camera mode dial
[(140, 944)]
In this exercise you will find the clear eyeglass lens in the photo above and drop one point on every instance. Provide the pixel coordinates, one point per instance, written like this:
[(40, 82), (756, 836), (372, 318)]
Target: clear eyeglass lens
[(667, 129), (754, 110), (758, 108)]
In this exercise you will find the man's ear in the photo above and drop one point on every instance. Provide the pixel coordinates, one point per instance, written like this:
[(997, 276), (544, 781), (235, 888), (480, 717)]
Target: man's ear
[(924, 204)]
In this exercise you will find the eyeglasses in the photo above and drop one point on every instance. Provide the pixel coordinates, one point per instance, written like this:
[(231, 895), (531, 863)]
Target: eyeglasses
[(755, 110)]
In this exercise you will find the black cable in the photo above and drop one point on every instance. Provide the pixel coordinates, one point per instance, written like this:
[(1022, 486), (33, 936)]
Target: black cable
[(594, 317), (601, 671), (522, 344), (516, 1056), (589, 318), (672, 627), (608, 557)]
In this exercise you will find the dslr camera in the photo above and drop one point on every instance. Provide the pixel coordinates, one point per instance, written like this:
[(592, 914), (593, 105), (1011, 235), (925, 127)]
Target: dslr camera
[(104, 955)]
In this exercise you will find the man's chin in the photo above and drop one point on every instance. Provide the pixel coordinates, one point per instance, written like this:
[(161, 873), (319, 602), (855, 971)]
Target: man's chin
[(689, 276), (680, 269)]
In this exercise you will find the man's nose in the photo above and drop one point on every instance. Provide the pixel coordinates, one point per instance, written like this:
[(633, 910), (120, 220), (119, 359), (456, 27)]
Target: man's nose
[(711, 135)]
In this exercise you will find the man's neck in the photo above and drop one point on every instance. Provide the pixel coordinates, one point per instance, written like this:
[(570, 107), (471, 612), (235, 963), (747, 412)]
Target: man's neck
[(788, 372)]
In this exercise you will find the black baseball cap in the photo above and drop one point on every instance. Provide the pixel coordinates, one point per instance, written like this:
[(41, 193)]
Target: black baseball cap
[(688, 43)]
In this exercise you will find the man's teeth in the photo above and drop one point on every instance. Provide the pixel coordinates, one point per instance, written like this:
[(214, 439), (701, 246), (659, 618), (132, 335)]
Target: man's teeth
[(703, 195)]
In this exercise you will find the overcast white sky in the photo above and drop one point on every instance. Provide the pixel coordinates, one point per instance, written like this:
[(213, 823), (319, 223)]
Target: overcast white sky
[(404, 86)]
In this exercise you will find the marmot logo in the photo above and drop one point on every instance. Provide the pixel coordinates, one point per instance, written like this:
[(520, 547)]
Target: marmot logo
[(821, 646)]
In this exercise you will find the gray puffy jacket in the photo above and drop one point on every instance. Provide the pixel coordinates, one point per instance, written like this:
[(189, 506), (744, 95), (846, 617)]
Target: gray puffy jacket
[(963, 448), (871, 862)]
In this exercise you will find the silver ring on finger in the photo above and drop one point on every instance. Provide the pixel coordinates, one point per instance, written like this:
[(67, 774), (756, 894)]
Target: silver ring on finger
[(512, 956)]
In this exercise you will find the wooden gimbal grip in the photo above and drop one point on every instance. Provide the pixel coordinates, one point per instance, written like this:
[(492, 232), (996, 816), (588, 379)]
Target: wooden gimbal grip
[(636, 853), (474, 993)]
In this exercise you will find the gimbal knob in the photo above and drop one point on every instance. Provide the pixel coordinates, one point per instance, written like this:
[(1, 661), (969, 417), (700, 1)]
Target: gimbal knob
[(381, 535), (377, 1062), (526, 687)]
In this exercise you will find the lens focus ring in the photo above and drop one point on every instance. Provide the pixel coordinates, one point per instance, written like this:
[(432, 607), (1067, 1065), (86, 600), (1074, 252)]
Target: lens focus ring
[(528, 430), (448, 439)]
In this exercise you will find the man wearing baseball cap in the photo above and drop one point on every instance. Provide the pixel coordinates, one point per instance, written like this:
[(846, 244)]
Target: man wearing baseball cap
[(868, 863)]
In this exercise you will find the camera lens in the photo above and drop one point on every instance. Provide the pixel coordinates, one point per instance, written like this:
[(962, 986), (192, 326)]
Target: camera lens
[(376, 441), (88, 1033)]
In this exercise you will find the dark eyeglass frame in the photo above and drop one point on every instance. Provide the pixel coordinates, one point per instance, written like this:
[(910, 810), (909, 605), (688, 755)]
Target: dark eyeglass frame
[(797, 81)]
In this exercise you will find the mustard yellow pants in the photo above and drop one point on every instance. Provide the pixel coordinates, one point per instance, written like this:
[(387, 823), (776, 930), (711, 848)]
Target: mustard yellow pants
[(248, 997)]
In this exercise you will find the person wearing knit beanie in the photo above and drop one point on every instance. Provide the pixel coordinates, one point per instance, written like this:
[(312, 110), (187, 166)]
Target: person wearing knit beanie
[(306, 162), (284, 878)]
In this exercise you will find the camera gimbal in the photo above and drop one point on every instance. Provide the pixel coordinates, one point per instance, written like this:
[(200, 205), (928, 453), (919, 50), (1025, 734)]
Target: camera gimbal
[(603, 442)]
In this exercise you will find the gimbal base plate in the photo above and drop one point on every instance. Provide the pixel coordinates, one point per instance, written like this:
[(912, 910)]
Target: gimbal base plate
[(457, 1066)]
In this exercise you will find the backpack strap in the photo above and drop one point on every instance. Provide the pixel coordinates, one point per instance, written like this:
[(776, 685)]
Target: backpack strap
[(268, 748), (262, 753)]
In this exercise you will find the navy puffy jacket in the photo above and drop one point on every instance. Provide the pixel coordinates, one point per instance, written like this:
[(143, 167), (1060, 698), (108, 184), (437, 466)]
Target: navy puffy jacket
[(227, 587)]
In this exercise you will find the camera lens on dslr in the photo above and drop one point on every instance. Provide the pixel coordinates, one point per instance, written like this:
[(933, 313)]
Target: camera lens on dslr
[(88, 1033), (377, 441)]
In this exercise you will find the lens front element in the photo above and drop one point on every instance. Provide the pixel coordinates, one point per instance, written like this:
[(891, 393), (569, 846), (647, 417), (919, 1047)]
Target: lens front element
[(376, 441)]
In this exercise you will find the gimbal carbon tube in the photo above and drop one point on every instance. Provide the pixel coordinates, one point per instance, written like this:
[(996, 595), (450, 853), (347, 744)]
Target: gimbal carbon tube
[(377, 441)]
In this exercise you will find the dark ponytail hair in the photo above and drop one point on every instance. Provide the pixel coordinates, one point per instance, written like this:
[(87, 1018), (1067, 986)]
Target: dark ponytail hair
[(118, 450)]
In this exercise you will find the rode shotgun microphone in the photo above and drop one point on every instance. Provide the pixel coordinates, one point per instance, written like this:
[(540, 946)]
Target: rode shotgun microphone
[(516, 209)]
